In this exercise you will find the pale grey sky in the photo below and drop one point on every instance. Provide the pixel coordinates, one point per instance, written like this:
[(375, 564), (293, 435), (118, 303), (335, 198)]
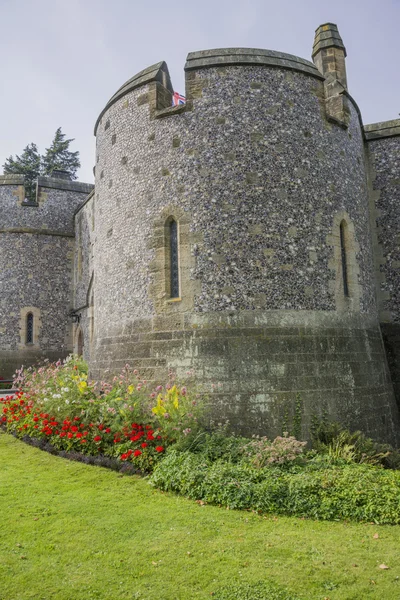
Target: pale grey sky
[(61, 60)]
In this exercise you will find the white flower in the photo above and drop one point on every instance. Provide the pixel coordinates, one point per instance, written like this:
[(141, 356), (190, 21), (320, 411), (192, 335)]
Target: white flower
[(56, 395), (67, 402)]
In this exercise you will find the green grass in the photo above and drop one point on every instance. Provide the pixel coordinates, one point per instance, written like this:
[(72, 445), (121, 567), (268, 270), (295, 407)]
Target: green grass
[(76, 532)]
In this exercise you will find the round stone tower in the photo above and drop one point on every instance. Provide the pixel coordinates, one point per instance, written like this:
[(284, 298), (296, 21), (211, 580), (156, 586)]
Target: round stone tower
[(233, 239)]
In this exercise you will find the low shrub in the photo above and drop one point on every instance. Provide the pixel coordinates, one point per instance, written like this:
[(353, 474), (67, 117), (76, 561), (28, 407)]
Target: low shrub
[(357, 492), (261, 590), (280, 451), (340, 444), (215, 445)]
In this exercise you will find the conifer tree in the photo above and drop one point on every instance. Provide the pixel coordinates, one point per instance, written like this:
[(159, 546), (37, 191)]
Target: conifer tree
[(58, 156), (29, 165)]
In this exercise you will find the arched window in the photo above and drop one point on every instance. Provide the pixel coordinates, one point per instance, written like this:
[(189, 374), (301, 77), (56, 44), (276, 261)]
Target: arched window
[(29, 328), (174, 259), (343, 252)]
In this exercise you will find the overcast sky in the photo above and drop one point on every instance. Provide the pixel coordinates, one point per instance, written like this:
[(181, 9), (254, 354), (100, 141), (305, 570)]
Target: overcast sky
[(61, 60)]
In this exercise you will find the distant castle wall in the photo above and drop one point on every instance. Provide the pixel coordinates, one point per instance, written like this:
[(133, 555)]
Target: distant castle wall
[(83, 331), (36, 252)]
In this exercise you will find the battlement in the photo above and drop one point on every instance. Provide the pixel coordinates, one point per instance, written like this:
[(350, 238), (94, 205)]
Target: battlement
[(385, 129), (59, 181), (11, 179)]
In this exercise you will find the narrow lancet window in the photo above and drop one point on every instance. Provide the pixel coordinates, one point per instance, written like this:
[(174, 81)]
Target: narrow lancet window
[(344, 258), (174, 259), (29, 328)]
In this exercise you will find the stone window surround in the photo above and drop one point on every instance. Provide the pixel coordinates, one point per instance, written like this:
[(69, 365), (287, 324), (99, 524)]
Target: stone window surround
[(159, 289), (25, 311), (350, 303)]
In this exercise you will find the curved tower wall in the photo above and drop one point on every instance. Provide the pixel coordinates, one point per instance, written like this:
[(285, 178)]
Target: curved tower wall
[(36, 250), (383, 141), (259, 180)]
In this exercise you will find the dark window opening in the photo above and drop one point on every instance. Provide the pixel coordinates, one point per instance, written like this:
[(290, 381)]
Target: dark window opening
[(29, 328), (344, 258), (174, 259)]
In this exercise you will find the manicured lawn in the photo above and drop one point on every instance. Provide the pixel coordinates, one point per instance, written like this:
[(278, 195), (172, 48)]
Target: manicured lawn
[(76, 532)]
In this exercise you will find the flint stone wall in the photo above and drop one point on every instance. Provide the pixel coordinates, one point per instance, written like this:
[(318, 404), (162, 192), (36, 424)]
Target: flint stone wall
[(36, 252), (255, 175), (84, 274), (384, 148)]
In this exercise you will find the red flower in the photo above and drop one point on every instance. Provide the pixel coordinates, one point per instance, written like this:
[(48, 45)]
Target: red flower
[(36, 419), (79, 435), (108, 430), (63, 434), (97, 438), (74, 428), (137, 453), (144, 445), (159, 449), (70, 435)]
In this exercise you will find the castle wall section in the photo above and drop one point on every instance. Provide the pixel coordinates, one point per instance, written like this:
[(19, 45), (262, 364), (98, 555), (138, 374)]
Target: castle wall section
[(383, 140), (259, 181), (83, 303), (36, 251)]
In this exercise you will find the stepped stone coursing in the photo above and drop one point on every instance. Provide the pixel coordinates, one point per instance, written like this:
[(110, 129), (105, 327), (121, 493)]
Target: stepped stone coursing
[(287, 238)]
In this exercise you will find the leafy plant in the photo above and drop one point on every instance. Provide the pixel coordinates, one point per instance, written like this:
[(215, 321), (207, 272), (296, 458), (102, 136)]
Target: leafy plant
[(283, 449)]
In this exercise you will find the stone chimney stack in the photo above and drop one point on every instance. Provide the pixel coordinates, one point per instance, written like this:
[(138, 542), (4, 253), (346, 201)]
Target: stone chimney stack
[(329, 56)]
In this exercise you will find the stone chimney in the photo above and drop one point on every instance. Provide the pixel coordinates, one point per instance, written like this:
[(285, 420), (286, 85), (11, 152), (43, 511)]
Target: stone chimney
[(329, 56)]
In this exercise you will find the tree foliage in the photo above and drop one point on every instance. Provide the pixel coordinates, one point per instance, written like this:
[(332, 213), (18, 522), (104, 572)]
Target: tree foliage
[(58, 156), (27, 164), (31, 164)]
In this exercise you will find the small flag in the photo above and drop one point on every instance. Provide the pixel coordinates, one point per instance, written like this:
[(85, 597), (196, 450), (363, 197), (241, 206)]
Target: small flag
[(178, 99)]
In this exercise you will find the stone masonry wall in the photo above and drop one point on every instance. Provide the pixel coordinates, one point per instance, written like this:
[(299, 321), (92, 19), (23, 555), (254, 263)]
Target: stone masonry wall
[(384, 150), (259, 181), (36, 251), (83, 275)]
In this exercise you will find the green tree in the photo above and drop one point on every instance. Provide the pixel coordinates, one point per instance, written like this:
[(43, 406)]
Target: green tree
[(29, 165), (58, 156)]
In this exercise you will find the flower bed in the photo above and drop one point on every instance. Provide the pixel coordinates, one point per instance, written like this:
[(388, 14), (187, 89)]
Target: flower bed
[(125, 420)]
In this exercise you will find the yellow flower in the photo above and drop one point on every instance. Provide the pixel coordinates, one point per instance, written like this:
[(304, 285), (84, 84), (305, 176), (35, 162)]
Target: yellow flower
[(174, 396), (159, 409), (82, 385), (131, 389)]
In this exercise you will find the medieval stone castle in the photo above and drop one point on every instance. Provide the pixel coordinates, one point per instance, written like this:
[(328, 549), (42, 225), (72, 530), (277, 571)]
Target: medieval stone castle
[(251, 235)]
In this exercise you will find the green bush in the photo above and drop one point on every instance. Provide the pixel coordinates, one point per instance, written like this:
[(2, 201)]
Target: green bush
[(354, 491), (215, 446), (261, 590), (343, 445)]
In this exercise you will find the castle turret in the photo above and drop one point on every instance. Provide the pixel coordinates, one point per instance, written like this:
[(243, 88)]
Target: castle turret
[(329, 54), (232, 240)]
